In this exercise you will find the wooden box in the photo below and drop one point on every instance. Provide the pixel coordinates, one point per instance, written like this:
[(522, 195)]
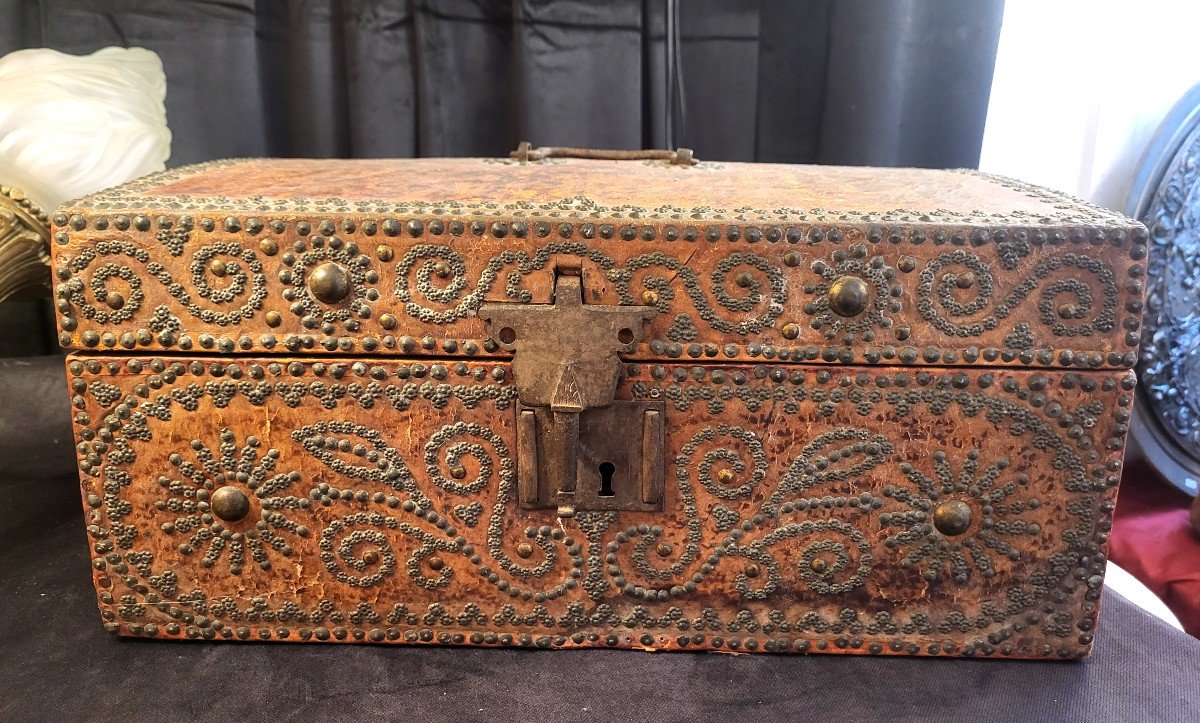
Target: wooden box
[(636, 403)]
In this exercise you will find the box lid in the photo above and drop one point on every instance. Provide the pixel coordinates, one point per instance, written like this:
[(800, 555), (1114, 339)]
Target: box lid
[(775, 262)]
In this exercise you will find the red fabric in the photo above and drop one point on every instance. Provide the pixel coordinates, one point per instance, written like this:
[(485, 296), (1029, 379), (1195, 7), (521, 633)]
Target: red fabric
[(1152, 538)]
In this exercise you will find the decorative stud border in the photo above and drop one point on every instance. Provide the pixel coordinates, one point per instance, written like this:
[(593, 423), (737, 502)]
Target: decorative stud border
[(1115, 255)]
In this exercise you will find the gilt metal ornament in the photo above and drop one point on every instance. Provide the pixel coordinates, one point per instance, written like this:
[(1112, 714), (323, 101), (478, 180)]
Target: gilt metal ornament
[(24, 243)]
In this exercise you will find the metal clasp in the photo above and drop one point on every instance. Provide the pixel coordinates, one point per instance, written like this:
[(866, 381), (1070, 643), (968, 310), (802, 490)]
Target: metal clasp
[(577, 448)]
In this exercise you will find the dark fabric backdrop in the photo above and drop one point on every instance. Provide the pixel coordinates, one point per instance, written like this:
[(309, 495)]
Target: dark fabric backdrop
[(874, 82), (880, 82)]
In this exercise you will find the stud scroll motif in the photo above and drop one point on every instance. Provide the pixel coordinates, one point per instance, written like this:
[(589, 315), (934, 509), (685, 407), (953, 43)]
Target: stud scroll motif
[(403, 522), (802, 294)]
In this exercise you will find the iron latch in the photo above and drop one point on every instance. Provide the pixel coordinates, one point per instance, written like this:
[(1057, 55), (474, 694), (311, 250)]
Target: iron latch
[(577, 448)]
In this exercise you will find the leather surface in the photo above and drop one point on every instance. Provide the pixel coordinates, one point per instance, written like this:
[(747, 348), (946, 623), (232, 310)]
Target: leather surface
[(839, 510), (783, 263), (853, 509), (709, 189)]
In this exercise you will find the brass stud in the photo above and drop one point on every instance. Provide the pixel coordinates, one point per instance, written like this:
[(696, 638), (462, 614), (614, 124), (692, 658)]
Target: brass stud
[(664, 549), (818, 565), (229, 503), (650, 298), (744, 280), (753, 570), (370, 557), (458, 472), (268, 247), (965, 280), (217, 267), (384, 252), (952, 517), (114, 300), (273, 318), (524, 550), (725, 476), (791, 258), (442, 270), (436, 563), (848, 296), (329, 283), (791, 331), (387, 321)]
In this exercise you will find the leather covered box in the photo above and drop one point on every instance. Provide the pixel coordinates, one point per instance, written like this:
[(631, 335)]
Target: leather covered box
[(635, 403)]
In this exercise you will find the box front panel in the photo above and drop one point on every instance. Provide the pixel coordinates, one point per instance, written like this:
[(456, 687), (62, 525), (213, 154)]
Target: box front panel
[(832, 509)]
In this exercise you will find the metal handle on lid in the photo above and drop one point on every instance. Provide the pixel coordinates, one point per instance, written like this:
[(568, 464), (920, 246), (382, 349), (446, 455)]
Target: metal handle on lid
[(526, 152)]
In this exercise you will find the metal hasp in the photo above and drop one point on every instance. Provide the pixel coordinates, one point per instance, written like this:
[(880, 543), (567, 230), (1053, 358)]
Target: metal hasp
[(577, 448)]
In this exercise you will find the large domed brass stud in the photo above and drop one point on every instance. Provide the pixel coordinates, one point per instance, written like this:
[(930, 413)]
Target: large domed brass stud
[(952, 517), (329, 283), (848, 296), (230, 504)]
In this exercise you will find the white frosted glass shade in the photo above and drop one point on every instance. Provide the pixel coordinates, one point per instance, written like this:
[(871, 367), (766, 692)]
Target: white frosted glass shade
[(73, 125)]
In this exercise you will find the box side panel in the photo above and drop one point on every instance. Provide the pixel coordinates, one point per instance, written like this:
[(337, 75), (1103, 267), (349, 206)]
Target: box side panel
[(888, 511)]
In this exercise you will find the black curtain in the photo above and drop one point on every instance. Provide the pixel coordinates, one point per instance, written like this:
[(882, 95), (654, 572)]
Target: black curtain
[(882, 82), (874, 82)]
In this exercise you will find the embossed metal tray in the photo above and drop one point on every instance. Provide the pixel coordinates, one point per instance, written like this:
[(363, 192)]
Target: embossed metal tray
[(1164, 197)]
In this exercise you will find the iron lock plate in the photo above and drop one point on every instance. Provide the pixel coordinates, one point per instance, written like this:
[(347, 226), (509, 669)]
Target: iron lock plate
[(577, 447), (619, 460)]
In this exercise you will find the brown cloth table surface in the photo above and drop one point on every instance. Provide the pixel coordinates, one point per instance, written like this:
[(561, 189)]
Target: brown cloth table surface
[(57, 663)]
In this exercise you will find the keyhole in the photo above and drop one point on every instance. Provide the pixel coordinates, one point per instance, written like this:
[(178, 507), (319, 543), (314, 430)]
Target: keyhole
[(607, 469)]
